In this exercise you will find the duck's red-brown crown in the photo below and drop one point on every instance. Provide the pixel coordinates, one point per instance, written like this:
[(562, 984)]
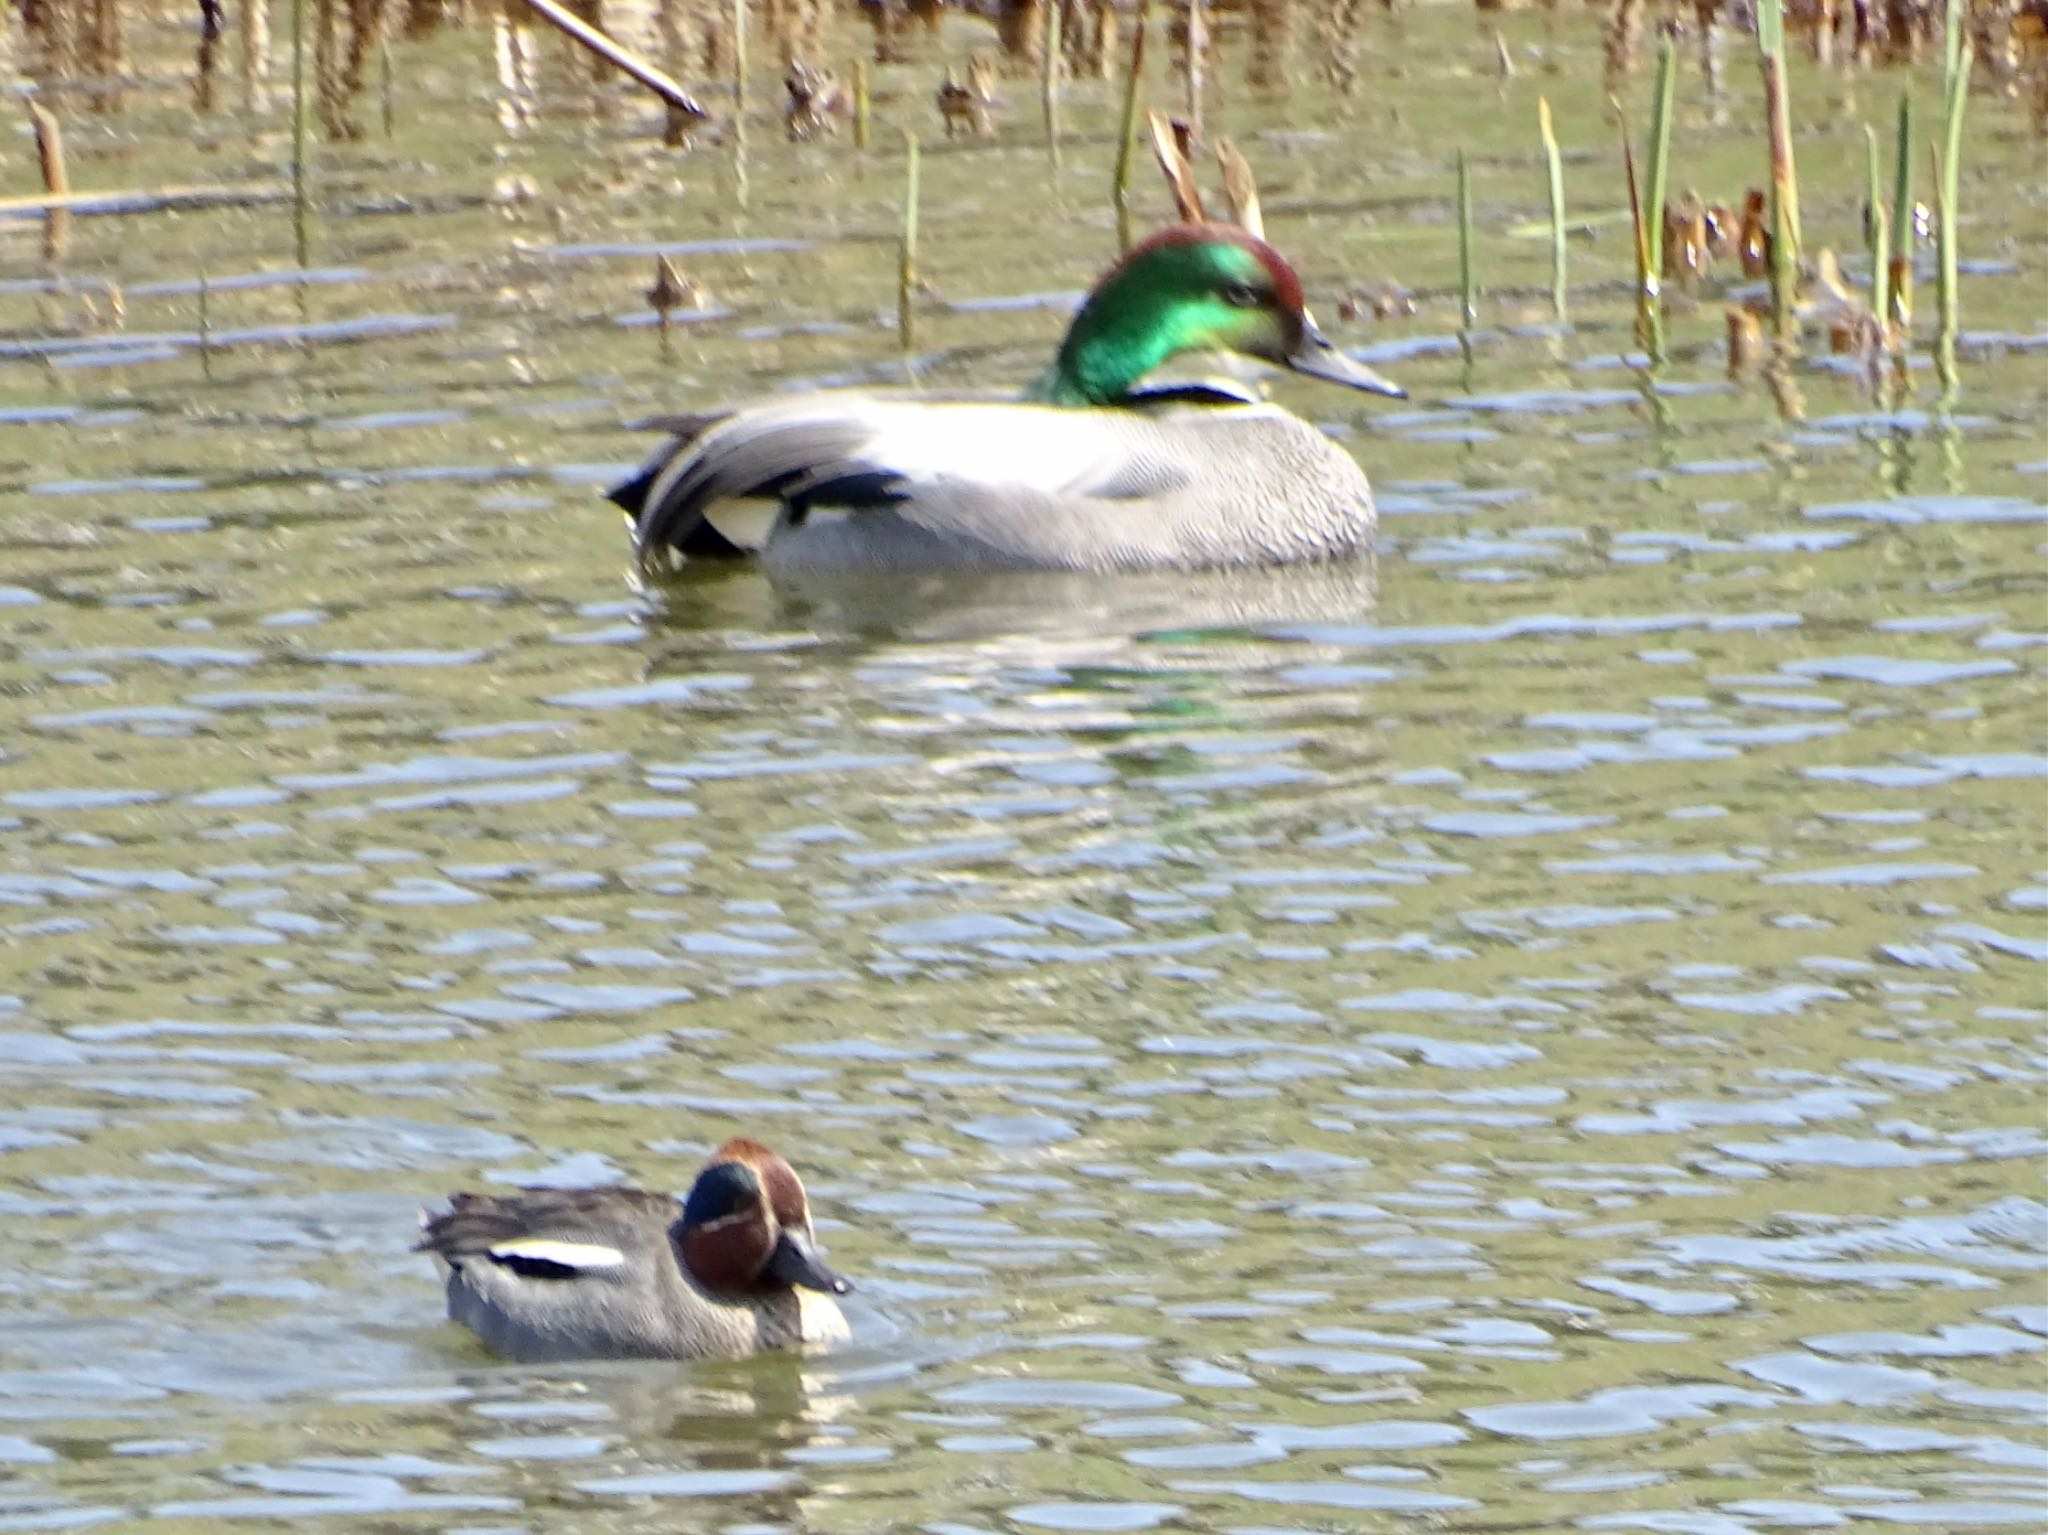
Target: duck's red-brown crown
[(1286, 284)]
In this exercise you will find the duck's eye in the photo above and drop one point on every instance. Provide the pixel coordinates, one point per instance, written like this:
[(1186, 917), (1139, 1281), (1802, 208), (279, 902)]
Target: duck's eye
[(1242, 295)]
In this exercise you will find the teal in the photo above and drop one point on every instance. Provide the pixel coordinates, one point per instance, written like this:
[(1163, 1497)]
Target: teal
[(546, 1275), (1089, 470)]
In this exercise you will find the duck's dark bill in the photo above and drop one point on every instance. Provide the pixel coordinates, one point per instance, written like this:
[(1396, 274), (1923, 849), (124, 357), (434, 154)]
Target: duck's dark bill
[(1315, 356), (796, 1262)]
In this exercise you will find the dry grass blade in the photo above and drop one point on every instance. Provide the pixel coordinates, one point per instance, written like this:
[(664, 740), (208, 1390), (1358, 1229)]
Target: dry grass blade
[(1240, 189), (1169, 148)]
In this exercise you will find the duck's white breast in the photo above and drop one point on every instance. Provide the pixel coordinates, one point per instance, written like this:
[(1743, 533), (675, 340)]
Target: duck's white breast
[(819, 1318)]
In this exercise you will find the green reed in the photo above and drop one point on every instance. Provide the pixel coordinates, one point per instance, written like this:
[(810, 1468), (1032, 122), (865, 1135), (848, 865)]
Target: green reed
[(1901, 269)]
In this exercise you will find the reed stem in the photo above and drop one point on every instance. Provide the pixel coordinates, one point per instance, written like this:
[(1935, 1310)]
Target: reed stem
[(1645, 307), (1198, 44), (56, 181), (863, 121), (205, 326), (906, 262), (1947, 175), (1049, 85), (1657, 171), (1127, 130), (1878, 234), (1902, 221), (1784, 177), (739, 57), (1468, 307), (300, 240), (1554, 164)]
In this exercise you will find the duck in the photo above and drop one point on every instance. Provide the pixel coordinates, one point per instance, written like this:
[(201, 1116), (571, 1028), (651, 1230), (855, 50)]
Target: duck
[(816, 102), (970, 105), (551, 1275), (1090, 470)]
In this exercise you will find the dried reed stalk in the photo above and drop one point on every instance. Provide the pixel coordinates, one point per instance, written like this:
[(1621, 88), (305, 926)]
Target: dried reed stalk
[(631, 64), (1948, 208), (1241, 190), (1657, 171), (1049, 81), (1127, 130), (906, 252), (1170, 149), (1785, 240), (56, 181), (1554, 166)]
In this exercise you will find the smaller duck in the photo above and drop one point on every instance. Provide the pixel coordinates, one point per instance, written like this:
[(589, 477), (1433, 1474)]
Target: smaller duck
[(545, 1275), (816, 102), (971, 105)]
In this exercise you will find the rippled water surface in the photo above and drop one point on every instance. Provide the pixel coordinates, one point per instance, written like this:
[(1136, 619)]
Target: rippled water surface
[(1556, 1043)]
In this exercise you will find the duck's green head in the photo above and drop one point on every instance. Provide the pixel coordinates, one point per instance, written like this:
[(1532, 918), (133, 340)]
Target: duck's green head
[(1192, 287)]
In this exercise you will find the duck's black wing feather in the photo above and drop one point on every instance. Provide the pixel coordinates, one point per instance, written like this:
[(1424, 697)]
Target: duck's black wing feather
[(475, 1224), (701, 540)]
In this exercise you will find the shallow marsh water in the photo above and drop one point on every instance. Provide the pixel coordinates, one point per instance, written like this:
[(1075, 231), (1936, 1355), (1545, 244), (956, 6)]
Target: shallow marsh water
[(1559, 1044)]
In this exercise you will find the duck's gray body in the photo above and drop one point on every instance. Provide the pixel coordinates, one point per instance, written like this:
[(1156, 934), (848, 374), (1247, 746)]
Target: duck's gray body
[(861, 483), (551, 1275)]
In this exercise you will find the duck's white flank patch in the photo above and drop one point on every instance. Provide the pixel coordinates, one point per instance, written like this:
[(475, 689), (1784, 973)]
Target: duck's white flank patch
[(745, 523), (571, 1255)]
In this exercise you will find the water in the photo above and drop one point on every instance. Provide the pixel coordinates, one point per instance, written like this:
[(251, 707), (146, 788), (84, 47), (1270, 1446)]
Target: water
[(1557, 1042)]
